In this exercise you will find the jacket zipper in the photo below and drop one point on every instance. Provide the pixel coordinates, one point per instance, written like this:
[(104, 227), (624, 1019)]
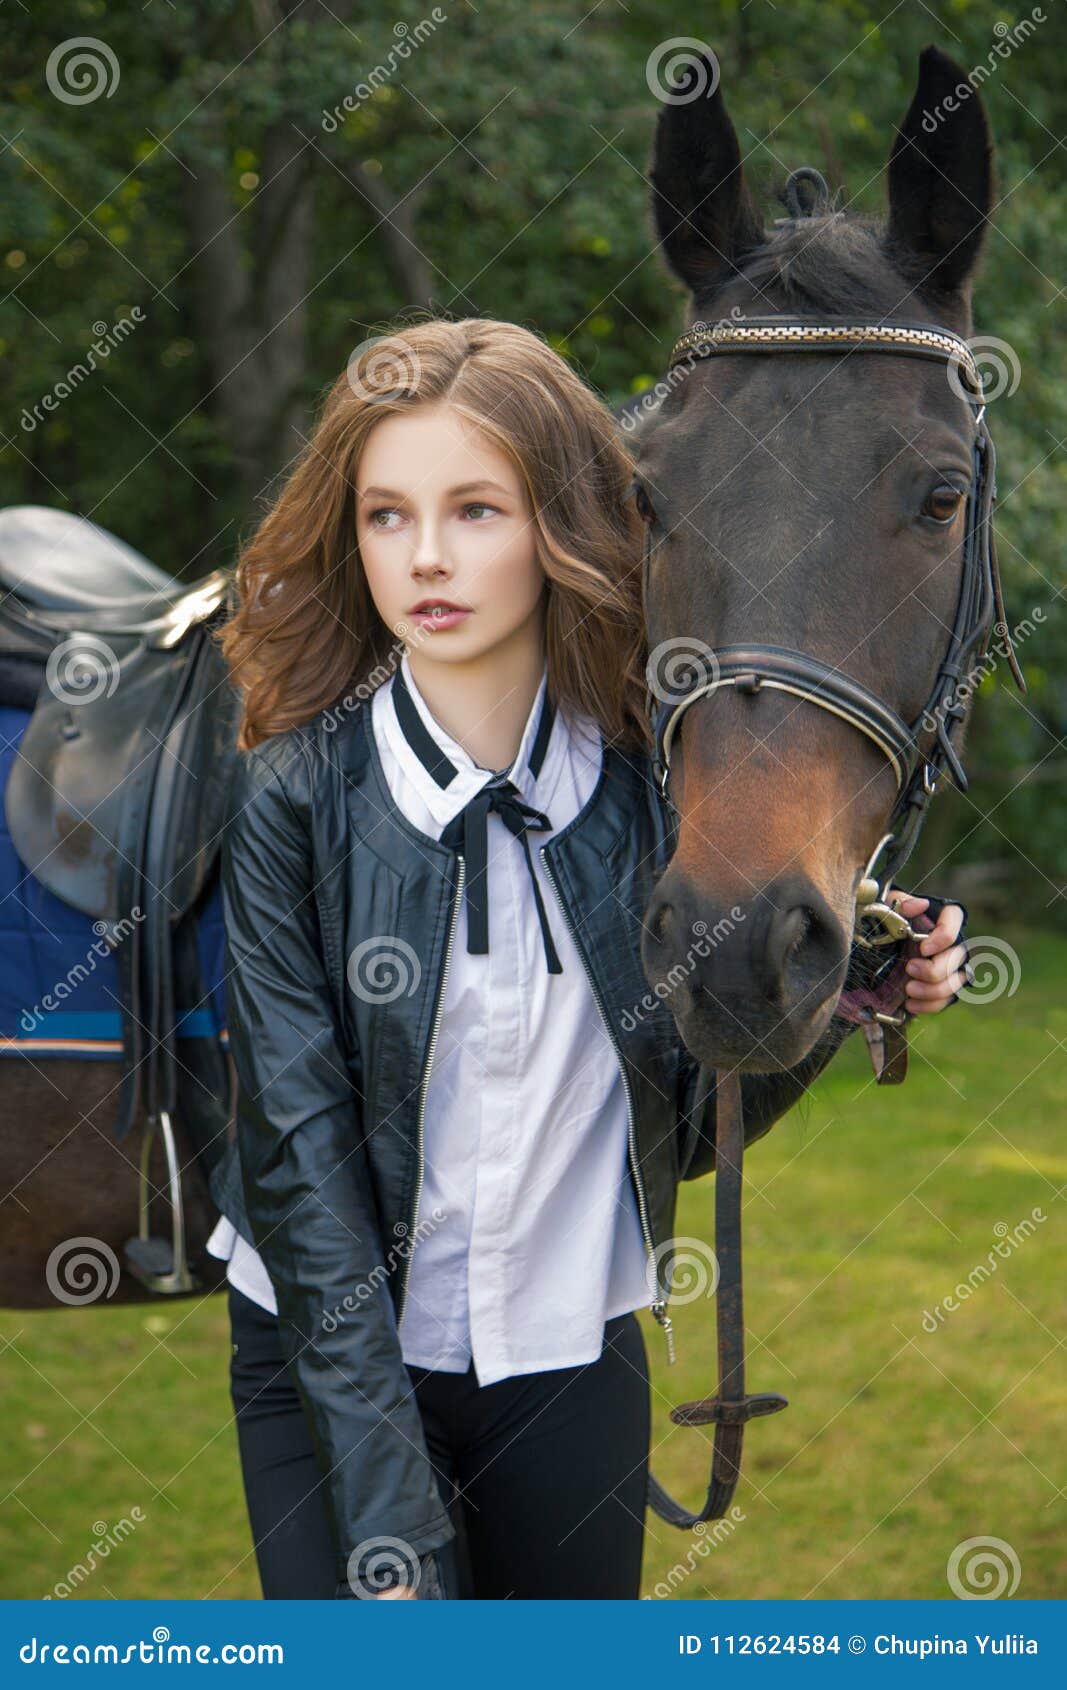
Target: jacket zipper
[(658, 1306), (426, 1082)]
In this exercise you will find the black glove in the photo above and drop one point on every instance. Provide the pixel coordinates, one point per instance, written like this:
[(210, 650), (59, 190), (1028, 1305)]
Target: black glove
[(936, 905), (933, 910)]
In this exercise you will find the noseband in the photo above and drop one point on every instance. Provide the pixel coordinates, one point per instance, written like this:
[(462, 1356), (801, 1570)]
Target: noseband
[(752, 669)]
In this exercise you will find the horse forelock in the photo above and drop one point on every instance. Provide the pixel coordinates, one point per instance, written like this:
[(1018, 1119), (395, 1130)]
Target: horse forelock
[(833, 265)]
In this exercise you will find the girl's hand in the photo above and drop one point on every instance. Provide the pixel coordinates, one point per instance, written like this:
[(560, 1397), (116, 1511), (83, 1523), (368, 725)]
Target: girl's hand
[(399, 1590), (936, 975), (429, 1584), (345, 1590)]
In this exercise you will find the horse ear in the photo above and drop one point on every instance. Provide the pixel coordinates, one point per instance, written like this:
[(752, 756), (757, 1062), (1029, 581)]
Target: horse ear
[(704, 215), (940, 175)]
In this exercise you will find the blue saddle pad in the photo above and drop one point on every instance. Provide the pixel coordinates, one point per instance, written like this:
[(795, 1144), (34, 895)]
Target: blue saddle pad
[(59, 982)]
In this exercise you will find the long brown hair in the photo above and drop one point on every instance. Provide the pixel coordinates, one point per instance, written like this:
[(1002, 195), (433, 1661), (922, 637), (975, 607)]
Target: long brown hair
[(306, 630)]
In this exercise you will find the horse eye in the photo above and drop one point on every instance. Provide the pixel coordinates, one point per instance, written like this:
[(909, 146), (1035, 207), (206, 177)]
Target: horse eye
[(942, 503), (642, 503)]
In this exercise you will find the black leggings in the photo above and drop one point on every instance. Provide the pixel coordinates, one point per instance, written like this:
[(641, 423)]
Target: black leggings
[(543, 1474)]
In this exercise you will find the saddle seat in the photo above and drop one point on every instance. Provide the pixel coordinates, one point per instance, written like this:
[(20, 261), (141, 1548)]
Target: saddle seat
[(61, 573)]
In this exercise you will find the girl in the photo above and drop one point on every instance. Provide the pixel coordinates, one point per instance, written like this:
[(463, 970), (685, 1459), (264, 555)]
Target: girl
[(453, 1176)]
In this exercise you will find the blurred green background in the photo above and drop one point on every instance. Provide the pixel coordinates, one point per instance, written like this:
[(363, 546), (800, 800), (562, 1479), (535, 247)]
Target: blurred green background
[(210, 199)]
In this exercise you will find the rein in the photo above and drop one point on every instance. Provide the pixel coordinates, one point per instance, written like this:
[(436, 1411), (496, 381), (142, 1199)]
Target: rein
[(917, 768)]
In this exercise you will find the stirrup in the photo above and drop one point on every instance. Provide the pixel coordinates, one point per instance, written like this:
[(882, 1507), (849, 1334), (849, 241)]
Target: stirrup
[(158, 1265)]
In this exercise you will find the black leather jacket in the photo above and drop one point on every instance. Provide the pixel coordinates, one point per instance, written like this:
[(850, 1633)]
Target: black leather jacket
[(333, 1043)]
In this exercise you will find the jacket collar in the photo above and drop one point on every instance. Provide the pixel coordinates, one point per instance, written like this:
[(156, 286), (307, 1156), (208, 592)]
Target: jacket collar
[(623, 783), (445, 798)]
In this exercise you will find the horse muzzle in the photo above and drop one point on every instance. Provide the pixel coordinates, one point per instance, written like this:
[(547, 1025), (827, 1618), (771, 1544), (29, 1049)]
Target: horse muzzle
[(752, 986)]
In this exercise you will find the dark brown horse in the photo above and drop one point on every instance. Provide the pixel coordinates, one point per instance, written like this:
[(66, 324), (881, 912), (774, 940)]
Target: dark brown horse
[(814, 500), (63, 1178)]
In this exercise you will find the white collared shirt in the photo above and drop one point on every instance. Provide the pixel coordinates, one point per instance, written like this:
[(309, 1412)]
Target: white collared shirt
[(525, 1128)]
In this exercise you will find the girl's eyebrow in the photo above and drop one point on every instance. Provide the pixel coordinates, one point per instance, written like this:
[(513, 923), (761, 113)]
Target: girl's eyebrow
[(465, 487)]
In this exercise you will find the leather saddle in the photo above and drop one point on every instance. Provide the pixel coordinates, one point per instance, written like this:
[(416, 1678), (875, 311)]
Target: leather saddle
[(119, 797)]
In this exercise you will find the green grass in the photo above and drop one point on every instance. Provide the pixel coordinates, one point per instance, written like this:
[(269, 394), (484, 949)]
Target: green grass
[(864, 1207)]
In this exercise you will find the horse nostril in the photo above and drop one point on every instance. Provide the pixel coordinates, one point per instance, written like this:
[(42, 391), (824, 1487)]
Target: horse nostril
[(815, 953), (802, 950), (785, 936), (659, 922), (795, 929)]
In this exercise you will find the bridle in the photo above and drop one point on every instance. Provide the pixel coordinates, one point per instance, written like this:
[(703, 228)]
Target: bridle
[(751, 669), (917, 768)]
